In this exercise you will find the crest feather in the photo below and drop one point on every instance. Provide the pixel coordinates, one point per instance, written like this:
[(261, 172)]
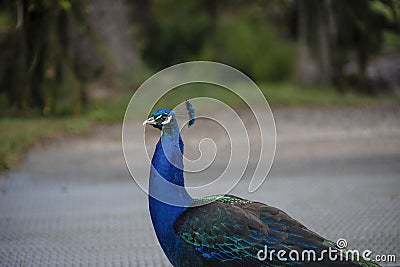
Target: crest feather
[(191, 113)]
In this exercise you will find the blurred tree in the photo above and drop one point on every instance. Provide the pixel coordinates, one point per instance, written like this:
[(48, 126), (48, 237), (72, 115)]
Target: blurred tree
[(336, 33), (50, 49), (389, 11), (111, 26), (39, 70), (257, 38), (178, 31), (252, 36), (249, 43)]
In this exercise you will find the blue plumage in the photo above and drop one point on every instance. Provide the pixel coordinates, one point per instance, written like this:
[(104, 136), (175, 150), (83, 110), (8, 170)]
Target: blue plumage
[(226, 232)]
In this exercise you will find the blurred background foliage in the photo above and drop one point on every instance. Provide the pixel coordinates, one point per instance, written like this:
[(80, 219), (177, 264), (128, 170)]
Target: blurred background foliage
[(53, 52), (84, 58)]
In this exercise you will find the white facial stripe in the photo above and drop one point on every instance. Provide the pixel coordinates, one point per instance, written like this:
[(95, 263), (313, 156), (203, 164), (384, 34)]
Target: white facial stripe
[(167, 120), (149, 120), (159, 116)]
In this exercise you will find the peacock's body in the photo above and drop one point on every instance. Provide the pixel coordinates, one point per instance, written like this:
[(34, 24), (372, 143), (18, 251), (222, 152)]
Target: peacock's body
[(229, 231)]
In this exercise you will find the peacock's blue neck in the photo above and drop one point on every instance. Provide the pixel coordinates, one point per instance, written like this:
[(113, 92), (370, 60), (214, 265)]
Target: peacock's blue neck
[(168, 197)]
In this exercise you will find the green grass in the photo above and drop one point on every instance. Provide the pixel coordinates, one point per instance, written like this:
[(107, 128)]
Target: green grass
[(17, 134), (283, 95), (279, 95), (108, 110)]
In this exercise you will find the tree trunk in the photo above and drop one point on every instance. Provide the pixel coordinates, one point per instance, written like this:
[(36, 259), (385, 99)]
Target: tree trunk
[(307, 69), (110, 22)]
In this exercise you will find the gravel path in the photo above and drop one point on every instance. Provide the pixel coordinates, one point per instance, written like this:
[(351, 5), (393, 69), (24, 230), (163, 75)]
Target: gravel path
[(73, 202)]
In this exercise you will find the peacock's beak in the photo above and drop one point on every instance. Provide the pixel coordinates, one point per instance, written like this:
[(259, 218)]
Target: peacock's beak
[(149, 121)]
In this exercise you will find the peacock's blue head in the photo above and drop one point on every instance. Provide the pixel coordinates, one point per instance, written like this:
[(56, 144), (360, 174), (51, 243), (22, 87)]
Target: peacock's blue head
[(159, 118), (162, 117)]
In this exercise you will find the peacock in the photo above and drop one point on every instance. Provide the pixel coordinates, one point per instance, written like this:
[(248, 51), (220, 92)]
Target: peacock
[(226, 230)]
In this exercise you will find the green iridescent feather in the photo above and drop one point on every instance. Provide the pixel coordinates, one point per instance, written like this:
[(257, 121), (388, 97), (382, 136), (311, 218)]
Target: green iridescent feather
[(232, 230)]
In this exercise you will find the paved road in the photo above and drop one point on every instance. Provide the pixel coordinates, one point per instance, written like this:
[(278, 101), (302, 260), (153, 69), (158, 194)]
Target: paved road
[(73, 202)]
